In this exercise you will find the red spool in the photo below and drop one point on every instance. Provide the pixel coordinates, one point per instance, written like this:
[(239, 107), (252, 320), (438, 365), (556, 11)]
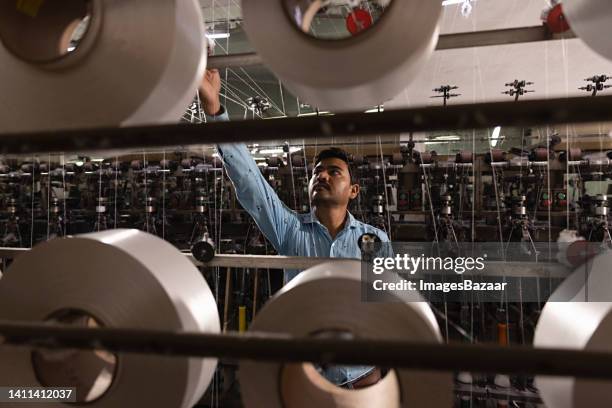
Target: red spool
[(464, 156), (425, 157), (358, 20), (574, 154), (497, 155), (556, 21)]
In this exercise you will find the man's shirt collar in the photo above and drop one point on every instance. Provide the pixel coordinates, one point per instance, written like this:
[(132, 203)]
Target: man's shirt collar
[(311, 218)]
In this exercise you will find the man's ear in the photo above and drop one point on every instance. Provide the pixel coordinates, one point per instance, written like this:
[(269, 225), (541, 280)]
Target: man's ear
[(354, 191)]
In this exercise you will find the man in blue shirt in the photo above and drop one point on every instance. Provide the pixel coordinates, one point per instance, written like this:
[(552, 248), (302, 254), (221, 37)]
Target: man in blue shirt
[(329, 230)]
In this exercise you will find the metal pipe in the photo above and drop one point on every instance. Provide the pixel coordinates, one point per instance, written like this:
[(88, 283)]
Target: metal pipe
[(264, 261), (455, 117), (494, 268), (499, 37), (445, 42), (227, 260), (247, 59), (227, 301), (284, 348), (12, 253)]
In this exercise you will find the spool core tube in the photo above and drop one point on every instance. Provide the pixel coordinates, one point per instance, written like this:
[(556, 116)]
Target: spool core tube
[(91, 372), (40, 32), (332, 22)]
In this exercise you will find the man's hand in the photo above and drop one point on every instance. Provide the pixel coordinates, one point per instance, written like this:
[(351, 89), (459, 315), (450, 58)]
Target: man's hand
[(209, 89)]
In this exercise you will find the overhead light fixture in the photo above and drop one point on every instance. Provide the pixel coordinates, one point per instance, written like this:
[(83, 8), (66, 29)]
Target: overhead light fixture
[(280, 150), (217, 36), (495, 136), (321, 113), (271, 151), (451, 2), (447, 137)]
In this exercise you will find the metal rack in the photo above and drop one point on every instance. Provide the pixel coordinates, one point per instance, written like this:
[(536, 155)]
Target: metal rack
[(457, 117), (278, 347)]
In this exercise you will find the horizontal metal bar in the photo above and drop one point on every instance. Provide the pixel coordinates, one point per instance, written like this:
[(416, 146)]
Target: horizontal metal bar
[(11, 253), (445, 42), (242, 60), (283, 348), (505, 36), (263, 261), (227, 261), (454, 117), (494, 268)]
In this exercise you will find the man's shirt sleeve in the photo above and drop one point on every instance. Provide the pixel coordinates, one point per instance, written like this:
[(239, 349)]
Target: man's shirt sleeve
[(222, 116), (254, 193)]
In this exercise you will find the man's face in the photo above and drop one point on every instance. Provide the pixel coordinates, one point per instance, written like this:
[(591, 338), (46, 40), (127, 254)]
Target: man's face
[(330, 184)]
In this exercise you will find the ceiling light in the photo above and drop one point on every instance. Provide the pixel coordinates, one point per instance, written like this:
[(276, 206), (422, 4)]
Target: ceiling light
[(217, 36), (271, 151), (495, 136), (447, 137), (315, 113)]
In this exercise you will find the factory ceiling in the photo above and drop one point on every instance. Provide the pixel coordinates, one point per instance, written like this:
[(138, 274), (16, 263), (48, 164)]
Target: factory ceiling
[(556, 68)]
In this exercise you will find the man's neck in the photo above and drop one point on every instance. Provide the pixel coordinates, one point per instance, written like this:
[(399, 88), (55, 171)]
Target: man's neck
[(333, 218)]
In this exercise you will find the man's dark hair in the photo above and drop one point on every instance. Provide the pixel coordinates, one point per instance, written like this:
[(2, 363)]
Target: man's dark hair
[(336, 153)]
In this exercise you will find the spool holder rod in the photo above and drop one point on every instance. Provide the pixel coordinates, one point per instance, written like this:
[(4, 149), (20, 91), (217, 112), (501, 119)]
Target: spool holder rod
[(453, 41), (456, 117), (284, 348)]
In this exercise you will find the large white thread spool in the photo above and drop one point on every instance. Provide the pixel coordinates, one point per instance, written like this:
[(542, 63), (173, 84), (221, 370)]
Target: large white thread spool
[(115, 278), (578, 316), (591, 21), (348, 74), (137, 62), (327, 297)]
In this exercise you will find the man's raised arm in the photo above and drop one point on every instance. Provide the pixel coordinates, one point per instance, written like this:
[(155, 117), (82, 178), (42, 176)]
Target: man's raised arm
[(254, 193)]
